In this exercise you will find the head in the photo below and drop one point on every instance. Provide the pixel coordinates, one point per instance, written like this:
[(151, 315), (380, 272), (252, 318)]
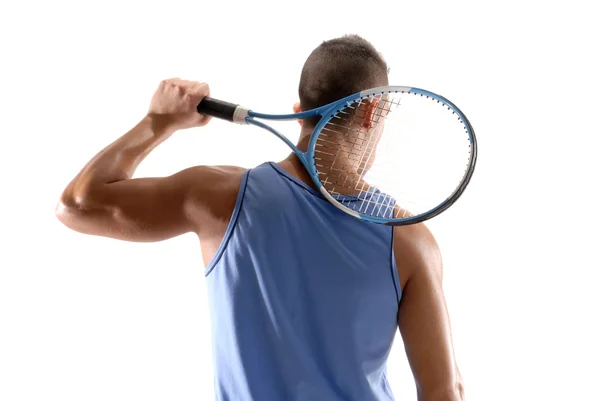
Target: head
[(336, 69)]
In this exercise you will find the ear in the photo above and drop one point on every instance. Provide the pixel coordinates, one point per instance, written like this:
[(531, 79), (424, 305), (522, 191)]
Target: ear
[(372, 114), (298, 109)]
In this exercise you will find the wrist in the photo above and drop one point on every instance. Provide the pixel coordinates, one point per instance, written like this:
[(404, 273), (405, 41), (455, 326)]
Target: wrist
[(159, 125)]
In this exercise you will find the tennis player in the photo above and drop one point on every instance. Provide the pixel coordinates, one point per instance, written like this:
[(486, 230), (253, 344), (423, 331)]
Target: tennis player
[(305, 300)]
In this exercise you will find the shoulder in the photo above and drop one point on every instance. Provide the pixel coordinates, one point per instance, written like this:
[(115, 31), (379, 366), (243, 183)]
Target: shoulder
[(213, 179), (212, 193), (416, 252), (217, 171)]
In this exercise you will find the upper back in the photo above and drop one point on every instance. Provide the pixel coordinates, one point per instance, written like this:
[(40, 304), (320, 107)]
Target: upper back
[(302, 292)]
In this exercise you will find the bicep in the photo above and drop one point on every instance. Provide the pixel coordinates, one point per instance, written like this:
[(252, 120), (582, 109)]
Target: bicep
[(149, 209), (145, 209), (423, 320)]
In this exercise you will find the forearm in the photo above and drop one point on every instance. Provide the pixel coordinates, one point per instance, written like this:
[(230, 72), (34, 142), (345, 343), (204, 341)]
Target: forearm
[(116, 162)]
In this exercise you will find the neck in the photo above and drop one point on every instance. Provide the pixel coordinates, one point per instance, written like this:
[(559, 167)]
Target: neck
[(304, 139), (353, 178), (292, 163)]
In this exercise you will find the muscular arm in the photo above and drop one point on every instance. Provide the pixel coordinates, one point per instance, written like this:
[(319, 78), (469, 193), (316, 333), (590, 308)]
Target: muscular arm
[(153, 209), (423, 318), (103, 199)]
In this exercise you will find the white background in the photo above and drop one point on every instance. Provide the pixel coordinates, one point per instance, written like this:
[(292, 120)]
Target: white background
[(87, 318)]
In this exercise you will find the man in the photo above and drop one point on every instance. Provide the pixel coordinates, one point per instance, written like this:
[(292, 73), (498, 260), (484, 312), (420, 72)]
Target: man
[(305, 300)]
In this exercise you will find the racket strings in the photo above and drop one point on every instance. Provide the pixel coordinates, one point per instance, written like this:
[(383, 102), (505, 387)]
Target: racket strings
[(341, 145), (376, 170), (353, 148), (353, 151)]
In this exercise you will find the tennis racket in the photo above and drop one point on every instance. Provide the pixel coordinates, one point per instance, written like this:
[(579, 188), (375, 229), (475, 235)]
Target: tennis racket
[(392, 155)]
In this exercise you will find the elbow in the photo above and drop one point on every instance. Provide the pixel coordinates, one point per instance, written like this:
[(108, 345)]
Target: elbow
[(461, 390), (446, 396), (67, 211), (74, 213), (451, 393)]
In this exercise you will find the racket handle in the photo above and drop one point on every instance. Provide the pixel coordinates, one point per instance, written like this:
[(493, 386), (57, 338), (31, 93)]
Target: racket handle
[(217, 108)]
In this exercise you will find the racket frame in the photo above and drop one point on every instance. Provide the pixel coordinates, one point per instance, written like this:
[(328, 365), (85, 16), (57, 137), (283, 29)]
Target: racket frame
[(242, 115)]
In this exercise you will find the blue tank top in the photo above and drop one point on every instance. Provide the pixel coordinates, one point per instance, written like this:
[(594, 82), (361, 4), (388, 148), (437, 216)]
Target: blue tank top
[(303, 297)]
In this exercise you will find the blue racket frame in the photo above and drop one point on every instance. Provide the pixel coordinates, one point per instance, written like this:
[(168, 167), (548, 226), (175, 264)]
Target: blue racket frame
[(241, 115)]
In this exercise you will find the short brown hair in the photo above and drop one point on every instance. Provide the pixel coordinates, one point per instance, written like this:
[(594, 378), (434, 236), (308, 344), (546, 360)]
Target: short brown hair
[(338, 68)]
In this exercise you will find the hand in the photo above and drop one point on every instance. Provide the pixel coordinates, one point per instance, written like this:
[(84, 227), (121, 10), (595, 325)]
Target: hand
[(173, 106)]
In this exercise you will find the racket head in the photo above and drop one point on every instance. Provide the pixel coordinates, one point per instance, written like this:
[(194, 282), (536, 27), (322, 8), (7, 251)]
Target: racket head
[(392, 155)]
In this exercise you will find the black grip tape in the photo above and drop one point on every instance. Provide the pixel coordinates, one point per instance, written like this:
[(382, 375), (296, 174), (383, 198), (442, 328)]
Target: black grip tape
[(217, 108)]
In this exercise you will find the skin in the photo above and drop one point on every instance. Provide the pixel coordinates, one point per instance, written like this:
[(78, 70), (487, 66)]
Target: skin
[(104, 200)]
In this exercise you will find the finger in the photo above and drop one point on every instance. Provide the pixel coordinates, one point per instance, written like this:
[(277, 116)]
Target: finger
[(204, 120), (200, 89), (172, 81)]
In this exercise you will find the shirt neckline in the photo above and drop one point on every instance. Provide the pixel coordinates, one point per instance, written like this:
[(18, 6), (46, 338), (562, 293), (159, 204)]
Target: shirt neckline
[(290, 177)]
